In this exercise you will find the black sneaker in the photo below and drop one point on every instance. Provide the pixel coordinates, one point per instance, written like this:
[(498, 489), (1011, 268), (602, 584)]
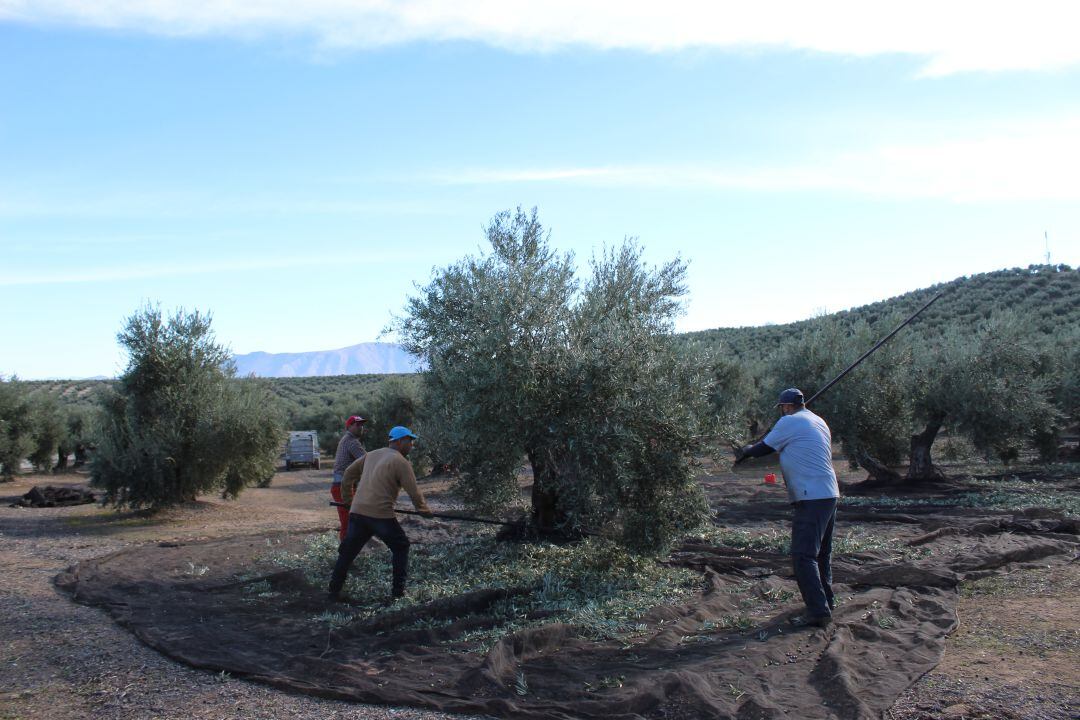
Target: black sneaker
[(811, 620), (337, 597)]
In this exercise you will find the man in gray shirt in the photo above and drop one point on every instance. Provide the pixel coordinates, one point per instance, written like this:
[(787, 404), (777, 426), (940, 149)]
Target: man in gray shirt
[(805, 446), (349, 450)]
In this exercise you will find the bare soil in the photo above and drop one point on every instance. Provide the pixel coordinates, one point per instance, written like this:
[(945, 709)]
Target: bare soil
[(1014, 654)]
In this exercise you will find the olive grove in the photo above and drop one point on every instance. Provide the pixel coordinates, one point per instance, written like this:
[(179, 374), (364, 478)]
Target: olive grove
[(998, 385)]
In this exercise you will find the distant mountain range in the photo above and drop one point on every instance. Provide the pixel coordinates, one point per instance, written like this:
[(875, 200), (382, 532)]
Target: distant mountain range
[(373, 358)]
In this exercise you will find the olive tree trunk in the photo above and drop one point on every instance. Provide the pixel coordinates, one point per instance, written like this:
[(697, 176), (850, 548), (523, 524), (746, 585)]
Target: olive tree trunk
[(61, 458), (80, 454), (921, 466), (547, 517)]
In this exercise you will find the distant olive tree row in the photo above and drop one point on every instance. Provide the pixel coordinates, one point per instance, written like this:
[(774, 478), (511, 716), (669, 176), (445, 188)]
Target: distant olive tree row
[(179, 422), (1045, 295), (35, 426), (1000, 383)]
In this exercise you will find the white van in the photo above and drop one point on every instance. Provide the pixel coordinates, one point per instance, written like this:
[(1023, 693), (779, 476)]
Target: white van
[(302, 448)]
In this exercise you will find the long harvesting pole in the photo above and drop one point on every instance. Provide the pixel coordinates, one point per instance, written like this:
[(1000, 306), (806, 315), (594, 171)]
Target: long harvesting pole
[(872, 350), (739, 459), (465, 518)]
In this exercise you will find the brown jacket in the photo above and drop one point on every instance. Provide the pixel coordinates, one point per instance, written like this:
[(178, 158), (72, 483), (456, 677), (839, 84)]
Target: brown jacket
[(377, 478)]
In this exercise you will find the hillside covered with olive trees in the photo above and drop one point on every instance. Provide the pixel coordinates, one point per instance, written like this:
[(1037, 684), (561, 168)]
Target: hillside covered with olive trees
[(1046, 296)]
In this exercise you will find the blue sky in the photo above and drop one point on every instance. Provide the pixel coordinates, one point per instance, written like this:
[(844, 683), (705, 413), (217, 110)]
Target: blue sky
[(294, 168)]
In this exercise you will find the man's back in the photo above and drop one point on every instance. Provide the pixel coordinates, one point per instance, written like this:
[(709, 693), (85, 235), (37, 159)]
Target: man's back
[(385, 473), (805, 446)]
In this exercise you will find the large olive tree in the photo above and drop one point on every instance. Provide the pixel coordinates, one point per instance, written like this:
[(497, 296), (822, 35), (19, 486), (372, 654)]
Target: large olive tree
[(580, 379), (989, 386), (179, 422)]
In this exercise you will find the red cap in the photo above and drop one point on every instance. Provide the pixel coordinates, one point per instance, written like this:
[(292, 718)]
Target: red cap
[(353, 419)]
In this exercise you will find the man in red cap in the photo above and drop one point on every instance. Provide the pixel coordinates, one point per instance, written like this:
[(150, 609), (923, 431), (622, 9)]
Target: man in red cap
[(349, 450)]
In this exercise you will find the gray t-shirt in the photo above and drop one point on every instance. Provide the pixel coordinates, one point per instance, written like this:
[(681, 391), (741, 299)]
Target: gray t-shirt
[(805, 446)]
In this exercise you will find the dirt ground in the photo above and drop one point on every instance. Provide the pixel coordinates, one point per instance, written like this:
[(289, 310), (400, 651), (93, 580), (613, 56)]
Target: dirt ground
[(1014, 655), (1016, 652), (62, 660)]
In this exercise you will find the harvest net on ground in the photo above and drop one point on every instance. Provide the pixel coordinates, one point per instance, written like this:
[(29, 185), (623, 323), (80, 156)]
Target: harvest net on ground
[(584, 631)]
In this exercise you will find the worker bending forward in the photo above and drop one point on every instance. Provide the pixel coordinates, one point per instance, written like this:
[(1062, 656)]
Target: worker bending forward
[(805, 446), (382, 474)]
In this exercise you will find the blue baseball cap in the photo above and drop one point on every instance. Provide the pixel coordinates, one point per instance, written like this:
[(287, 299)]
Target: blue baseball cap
[(791, 396), (398, 432)]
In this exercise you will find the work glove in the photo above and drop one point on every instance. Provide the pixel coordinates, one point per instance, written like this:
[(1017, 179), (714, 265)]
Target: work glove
[(740, 453)]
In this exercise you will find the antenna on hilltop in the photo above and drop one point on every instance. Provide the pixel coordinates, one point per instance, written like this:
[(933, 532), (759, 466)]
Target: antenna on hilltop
[(1046, 239)]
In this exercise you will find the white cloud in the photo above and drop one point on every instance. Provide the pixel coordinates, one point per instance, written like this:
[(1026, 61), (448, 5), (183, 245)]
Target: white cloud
[(173, 269), (953, 36), (1039, 161), (161, 204), (480, 176)]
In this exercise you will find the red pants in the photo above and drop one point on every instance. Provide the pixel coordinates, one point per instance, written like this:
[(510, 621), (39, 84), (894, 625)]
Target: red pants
[(342, 512)]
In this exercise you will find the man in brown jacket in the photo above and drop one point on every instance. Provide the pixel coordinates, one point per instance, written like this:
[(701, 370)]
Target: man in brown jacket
[(382, 475)]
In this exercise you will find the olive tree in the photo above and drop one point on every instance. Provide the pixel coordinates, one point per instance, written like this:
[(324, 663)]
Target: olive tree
[(992, 385), (733, 390), (1062, 363), (581, 380), (397, 402), (179, 423), (76, 438), (988, 386), (16, 427), (48, 430)]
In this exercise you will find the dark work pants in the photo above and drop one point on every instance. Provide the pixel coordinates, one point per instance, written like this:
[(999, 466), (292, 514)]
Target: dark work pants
[(361, 528), (811, 553)]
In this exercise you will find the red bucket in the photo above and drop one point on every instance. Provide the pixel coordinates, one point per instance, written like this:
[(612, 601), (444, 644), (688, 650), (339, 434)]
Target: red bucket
[(770, 479)]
